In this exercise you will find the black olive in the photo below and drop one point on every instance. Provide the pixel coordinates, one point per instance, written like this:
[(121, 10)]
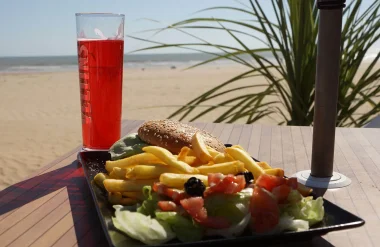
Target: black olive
[(194, 187), (248, 176)]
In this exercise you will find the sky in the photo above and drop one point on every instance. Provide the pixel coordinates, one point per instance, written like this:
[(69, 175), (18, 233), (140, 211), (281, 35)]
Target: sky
[(47, 28)]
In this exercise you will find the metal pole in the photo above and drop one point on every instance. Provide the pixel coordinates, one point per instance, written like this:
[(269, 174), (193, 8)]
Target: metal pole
[(326, 88)]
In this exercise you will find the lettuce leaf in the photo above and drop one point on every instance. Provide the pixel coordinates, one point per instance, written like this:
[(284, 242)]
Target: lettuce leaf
[(149, 205), (184, 228), (127, 146), (290, 224), (232, 207), (304, 209), (148, 230)]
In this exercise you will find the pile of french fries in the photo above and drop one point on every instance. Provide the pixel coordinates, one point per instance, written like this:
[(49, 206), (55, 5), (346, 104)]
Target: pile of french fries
[(126, 177)]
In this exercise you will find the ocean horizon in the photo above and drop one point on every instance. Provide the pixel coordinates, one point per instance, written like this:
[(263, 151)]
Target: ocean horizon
[(141, 61), (70, 63)]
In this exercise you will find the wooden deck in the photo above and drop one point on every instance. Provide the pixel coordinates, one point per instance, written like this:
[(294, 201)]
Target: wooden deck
[(53, 207)]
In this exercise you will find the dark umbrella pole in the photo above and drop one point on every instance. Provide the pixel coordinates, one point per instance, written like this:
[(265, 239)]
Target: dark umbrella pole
[(321, 174)]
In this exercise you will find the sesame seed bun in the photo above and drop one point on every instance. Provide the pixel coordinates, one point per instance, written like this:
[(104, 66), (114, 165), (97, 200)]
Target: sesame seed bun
[(173, 135)]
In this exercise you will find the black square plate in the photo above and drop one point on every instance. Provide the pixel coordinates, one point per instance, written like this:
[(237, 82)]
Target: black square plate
[(335, 218)]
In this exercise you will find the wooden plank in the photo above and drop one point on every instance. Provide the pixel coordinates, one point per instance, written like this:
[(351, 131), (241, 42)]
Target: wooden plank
[(342, 198), (235, 134), (226, 132), (354, 190), (79, 230), (361, 199), (27, 209), (254, 141), (37, 187), (217, 131), (372, 223), (356, 142), (289, 162), (372, 135), (307, 137), (245, 136), (300, 153), (74, 200), (16, 230), (38, 229), (265, 144), (82, 208), (55, 232), (276, 148), (209, 127), (132, 127), (368, 146), (364, 169)]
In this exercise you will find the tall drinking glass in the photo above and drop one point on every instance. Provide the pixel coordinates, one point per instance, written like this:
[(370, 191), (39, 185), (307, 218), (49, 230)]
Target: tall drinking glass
[(100, 41)]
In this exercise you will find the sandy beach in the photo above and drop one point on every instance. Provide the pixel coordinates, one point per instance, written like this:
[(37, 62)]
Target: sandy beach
[(40, 112)]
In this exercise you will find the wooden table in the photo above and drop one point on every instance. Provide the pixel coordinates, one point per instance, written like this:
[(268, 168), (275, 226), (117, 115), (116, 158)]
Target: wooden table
[(54, 207)]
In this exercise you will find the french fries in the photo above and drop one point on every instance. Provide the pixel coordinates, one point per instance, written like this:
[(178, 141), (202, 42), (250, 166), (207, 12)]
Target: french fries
[(190, 160), (126, 177), (264, 165), (222, 158), (275, 171), (118, 185), (168, 158), (232, 167), (183, 153), (149, 172), (119, 173), (143, 158), (244, 157), (175, 180), (134, 195), (200, 148), (237, 146), (116, 198), (99, 178), (213, 152)]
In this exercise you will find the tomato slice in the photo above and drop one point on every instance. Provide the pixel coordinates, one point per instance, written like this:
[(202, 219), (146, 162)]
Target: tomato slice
[(228, 184), (167, 206), (175, 195), (195, 207), (214, 178), (292, 182), (268, 182), (281, 192), (264, 210)]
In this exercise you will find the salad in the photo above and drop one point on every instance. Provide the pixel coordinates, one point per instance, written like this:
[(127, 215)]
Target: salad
[(159, 196)]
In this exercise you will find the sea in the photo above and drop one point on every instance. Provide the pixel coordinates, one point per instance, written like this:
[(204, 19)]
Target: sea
[(140, 61), (70, 63)]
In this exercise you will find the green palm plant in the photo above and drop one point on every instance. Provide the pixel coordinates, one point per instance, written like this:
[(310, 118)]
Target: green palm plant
[(291, 38)]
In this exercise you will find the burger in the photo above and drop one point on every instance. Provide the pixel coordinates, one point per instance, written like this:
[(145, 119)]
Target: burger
[(169, 134)]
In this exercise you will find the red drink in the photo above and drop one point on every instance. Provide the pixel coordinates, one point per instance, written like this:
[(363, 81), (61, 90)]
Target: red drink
[(100, 76)]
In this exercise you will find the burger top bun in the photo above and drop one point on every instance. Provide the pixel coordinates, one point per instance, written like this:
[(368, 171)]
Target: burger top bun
[(173, 135)]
